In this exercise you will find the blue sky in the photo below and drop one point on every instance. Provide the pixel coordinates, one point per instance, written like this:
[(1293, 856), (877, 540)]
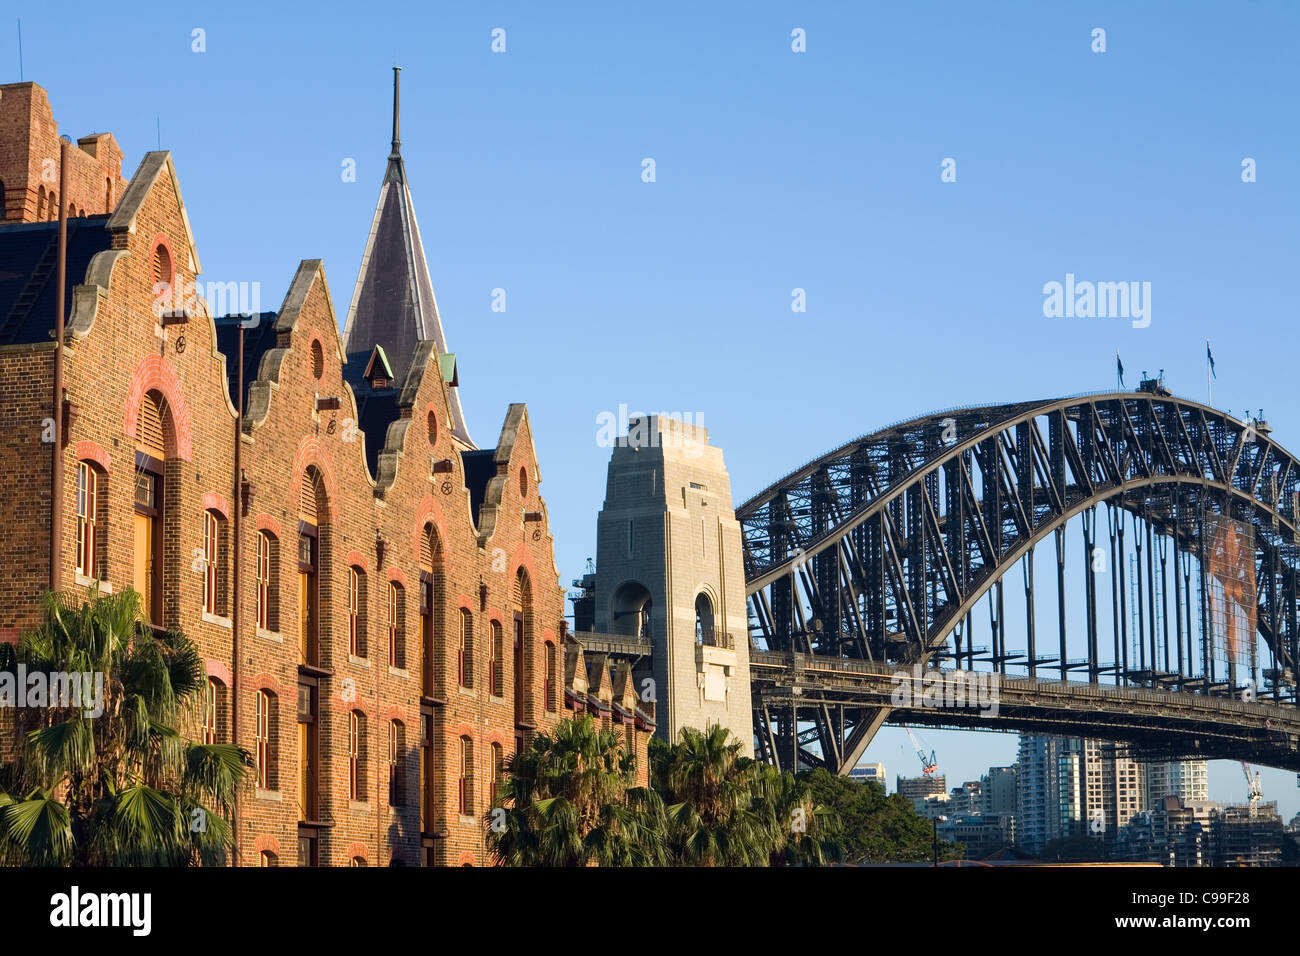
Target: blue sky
[(774, 171)]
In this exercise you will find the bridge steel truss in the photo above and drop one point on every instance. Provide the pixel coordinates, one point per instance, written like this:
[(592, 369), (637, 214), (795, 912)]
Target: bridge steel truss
[(880, 551)]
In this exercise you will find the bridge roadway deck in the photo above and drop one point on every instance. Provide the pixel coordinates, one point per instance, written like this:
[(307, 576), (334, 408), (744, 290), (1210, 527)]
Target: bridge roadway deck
[(1156, 723)]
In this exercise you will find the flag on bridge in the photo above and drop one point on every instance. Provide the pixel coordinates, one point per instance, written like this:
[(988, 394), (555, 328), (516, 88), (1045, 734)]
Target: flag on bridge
[(1209, 357), (1119, 370)]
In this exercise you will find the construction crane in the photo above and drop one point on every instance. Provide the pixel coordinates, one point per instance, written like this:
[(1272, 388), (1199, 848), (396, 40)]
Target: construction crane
[(928, 763), (1256, 791)]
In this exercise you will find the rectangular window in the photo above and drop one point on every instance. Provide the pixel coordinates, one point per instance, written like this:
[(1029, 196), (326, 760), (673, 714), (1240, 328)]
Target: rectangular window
[(497, 667), (465, 653), (87, 500), (308, 596), (426, 772), (308, 737)]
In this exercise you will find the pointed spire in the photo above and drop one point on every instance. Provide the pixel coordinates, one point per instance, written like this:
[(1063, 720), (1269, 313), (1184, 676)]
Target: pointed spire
[(397, 113), (393, 304)]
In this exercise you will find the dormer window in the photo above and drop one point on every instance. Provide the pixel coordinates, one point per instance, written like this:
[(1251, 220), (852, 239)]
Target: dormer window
[(378, 372)]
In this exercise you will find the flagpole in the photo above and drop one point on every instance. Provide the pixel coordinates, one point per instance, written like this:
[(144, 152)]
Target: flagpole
[(1209, 389)]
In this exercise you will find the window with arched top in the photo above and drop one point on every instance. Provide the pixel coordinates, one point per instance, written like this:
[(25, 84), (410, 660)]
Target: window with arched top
[(108, 194), (212, 711), (496, 666), (266, 573), (317, 360), (163, 276), (40, 202), (90, 530), (498, 769), (523, 482), (466, 782), (396, 763), (264, 731), (703, 619), (357, 756), (52, 211), (433, 427), (215, 553), (431, 610), (356, 611), (267, 858), (465, 650), (311, 507), (551, 689), (151, 518), (396, 626)]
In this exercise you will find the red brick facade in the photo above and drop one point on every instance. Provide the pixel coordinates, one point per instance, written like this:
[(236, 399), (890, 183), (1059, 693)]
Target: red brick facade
[(426, 554)]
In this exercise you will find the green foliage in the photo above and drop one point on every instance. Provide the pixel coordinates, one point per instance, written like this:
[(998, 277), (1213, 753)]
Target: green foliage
[(873, 827), (124, 787), (571, 802)]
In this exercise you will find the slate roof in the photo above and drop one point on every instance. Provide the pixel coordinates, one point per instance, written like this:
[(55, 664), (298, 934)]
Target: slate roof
[(28, 261)]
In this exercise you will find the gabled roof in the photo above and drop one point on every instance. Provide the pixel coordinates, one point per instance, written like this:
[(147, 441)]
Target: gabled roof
[(393, 304)]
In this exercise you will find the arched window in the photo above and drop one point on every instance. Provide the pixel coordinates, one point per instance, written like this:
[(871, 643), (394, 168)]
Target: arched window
[(524, 653), (703, 619), (309, 576), (496, 667), (357, 756), (163, 276), (214, 709), (40, 203), (269, 859), (630, 611), (551, 679), (431, 624), (264, 730), (466, 789), (53, 209), (88, 524), (396, 626), (153, 423), (357, 861), (357, 603), (267, 573), (108, 194), (214, 563), (396, 763), (498, 766), (465, 650)]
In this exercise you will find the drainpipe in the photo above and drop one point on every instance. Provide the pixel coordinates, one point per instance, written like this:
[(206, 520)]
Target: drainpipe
[(60, 439), (238, 590)]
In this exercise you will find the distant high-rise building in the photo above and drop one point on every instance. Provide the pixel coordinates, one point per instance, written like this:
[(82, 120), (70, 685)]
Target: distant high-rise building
[(1185, 779), (1066, 786), (998, 791), (966, 798), (917, 788), (869, 771), (1247, 836)]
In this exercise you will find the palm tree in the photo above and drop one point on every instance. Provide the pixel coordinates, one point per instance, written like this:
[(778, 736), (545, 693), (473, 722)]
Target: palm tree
[(121, 787), (713, 817), (725, 809), (571, 803)]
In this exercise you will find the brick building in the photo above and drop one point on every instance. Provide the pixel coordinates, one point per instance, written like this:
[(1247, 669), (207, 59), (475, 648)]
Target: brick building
[(376, 599)]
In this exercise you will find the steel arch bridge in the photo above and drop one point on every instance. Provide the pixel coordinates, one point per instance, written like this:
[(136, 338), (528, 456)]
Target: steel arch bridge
[(874, 559)]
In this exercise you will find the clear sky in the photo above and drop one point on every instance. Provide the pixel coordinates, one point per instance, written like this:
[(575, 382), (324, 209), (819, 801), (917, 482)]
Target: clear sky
[(774, 170)]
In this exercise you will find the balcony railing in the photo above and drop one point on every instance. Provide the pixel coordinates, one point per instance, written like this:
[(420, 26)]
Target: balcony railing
[(714, 639)]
